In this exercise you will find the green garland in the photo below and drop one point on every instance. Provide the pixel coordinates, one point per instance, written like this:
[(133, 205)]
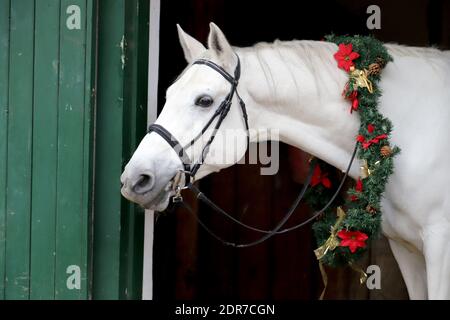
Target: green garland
[(343, 241)]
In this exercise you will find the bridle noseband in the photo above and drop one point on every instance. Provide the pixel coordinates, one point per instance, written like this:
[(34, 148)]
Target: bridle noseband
[(190, 169)]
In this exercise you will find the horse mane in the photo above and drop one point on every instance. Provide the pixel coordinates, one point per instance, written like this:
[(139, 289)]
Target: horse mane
[(315, 57), (323, 48), (309, 54)]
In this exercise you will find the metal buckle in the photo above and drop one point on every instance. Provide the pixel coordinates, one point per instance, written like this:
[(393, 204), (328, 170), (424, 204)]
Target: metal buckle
[(177, 198), (177, 187)]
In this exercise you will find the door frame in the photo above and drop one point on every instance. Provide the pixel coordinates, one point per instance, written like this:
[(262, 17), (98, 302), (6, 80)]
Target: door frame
[(152, 110)]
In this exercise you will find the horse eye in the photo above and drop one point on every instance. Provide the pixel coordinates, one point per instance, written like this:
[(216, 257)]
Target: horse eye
[(204, 101)]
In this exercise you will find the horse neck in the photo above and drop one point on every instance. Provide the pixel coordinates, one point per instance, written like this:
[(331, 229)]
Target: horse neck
[(296, 88)]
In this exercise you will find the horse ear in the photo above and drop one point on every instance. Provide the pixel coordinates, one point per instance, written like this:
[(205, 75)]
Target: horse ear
[(191, 47), (218, 43)]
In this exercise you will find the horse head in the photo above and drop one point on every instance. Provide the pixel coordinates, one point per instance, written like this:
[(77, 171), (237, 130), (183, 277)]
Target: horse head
[(201, 104)]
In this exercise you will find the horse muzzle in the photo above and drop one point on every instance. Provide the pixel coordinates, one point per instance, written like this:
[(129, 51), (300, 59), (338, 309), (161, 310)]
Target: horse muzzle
[(145, 188)]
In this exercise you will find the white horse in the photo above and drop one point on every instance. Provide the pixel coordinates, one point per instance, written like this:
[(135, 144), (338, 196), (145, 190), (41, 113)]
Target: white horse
[(295, 87)]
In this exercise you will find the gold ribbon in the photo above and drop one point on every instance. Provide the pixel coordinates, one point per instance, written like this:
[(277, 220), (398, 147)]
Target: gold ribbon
[(331, 244), (362, 274), (332, 241), (361, 79), (365, 171), (323, 272)]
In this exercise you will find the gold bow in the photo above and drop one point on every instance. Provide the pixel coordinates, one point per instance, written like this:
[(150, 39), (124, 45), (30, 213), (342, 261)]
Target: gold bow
[(331, 244), (361, 79), (365, 171), (332, 241)]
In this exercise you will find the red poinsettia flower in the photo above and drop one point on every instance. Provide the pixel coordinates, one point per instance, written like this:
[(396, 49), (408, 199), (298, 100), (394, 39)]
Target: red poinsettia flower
[(345, 56), (352, 239), (320, 178), (358, 188)]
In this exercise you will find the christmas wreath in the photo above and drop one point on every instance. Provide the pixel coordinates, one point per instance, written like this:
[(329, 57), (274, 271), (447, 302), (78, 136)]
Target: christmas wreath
[(344, 231)]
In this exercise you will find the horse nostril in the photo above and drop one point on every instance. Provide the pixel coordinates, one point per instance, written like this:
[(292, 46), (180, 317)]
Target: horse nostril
[(144, 183)]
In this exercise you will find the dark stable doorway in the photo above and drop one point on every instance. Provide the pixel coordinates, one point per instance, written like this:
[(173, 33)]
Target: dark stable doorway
[(188, 263)]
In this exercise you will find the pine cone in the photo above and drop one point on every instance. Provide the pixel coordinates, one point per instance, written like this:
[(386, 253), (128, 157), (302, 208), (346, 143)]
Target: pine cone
[(374, 69), (381, 62), (371, 210), (385, 151)]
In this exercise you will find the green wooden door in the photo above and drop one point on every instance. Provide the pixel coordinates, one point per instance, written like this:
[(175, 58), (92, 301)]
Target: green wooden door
[(46, 109), (73, 91), (121, 121)]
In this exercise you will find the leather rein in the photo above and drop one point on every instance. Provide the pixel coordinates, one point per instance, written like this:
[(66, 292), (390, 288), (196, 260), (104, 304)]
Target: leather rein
[(190, 168)]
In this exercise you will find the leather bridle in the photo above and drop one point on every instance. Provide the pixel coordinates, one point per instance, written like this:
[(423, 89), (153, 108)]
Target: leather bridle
[(190, 168)]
